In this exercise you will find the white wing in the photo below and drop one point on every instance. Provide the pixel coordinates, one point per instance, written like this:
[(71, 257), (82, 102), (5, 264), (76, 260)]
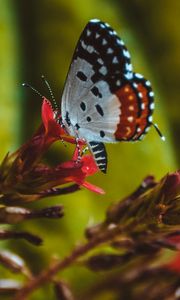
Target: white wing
[(100, 66), (92, 106), (103, 100)]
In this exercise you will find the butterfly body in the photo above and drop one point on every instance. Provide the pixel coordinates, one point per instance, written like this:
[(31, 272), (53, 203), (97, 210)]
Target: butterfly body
[(103, 100)]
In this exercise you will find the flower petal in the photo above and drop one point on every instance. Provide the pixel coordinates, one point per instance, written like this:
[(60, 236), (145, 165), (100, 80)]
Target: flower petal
[(53, 130), (93, 188)]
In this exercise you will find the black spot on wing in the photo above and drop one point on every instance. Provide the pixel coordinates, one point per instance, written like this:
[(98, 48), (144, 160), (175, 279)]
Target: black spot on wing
[(81, 76), (88, 119), (83, 106), (96, 92), (102, 133), (77, 126), (99, 110), (67, 119)]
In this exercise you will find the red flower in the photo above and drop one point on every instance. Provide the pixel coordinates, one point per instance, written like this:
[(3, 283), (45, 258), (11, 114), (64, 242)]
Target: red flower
[(174, 264), (24, 177), (53, 131)]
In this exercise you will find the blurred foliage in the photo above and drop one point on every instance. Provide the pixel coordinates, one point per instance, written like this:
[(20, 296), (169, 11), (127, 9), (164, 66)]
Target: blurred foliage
[(124, 253), (38, 37), (10, 111)]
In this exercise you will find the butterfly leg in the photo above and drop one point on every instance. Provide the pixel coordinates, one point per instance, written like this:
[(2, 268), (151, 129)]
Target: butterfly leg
[(60, 122), (63, 142), (78, 150)]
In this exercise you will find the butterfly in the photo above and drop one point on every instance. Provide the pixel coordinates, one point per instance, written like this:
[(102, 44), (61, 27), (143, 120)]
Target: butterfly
[(103, 100)]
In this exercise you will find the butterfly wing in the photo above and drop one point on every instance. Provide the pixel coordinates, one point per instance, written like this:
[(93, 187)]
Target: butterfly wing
[(137, 105), (103, 100), (100, 66)]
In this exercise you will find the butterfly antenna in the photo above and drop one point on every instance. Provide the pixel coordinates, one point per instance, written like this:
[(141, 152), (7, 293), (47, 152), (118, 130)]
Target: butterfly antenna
[(50, 91), (159, 132), (54, 101), (32, 88)]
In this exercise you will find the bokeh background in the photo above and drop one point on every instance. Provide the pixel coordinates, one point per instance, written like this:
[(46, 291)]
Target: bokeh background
[(39, 37)]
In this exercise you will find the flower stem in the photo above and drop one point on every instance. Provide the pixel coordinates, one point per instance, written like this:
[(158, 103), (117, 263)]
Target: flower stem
[(48, 274)]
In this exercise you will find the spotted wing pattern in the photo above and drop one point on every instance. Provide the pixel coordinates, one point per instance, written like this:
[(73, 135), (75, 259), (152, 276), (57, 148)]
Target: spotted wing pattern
[(103, 100), (137, 105)]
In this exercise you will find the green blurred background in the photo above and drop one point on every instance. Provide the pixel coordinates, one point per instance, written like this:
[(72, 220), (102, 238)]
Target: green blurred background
[(38, 37)]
